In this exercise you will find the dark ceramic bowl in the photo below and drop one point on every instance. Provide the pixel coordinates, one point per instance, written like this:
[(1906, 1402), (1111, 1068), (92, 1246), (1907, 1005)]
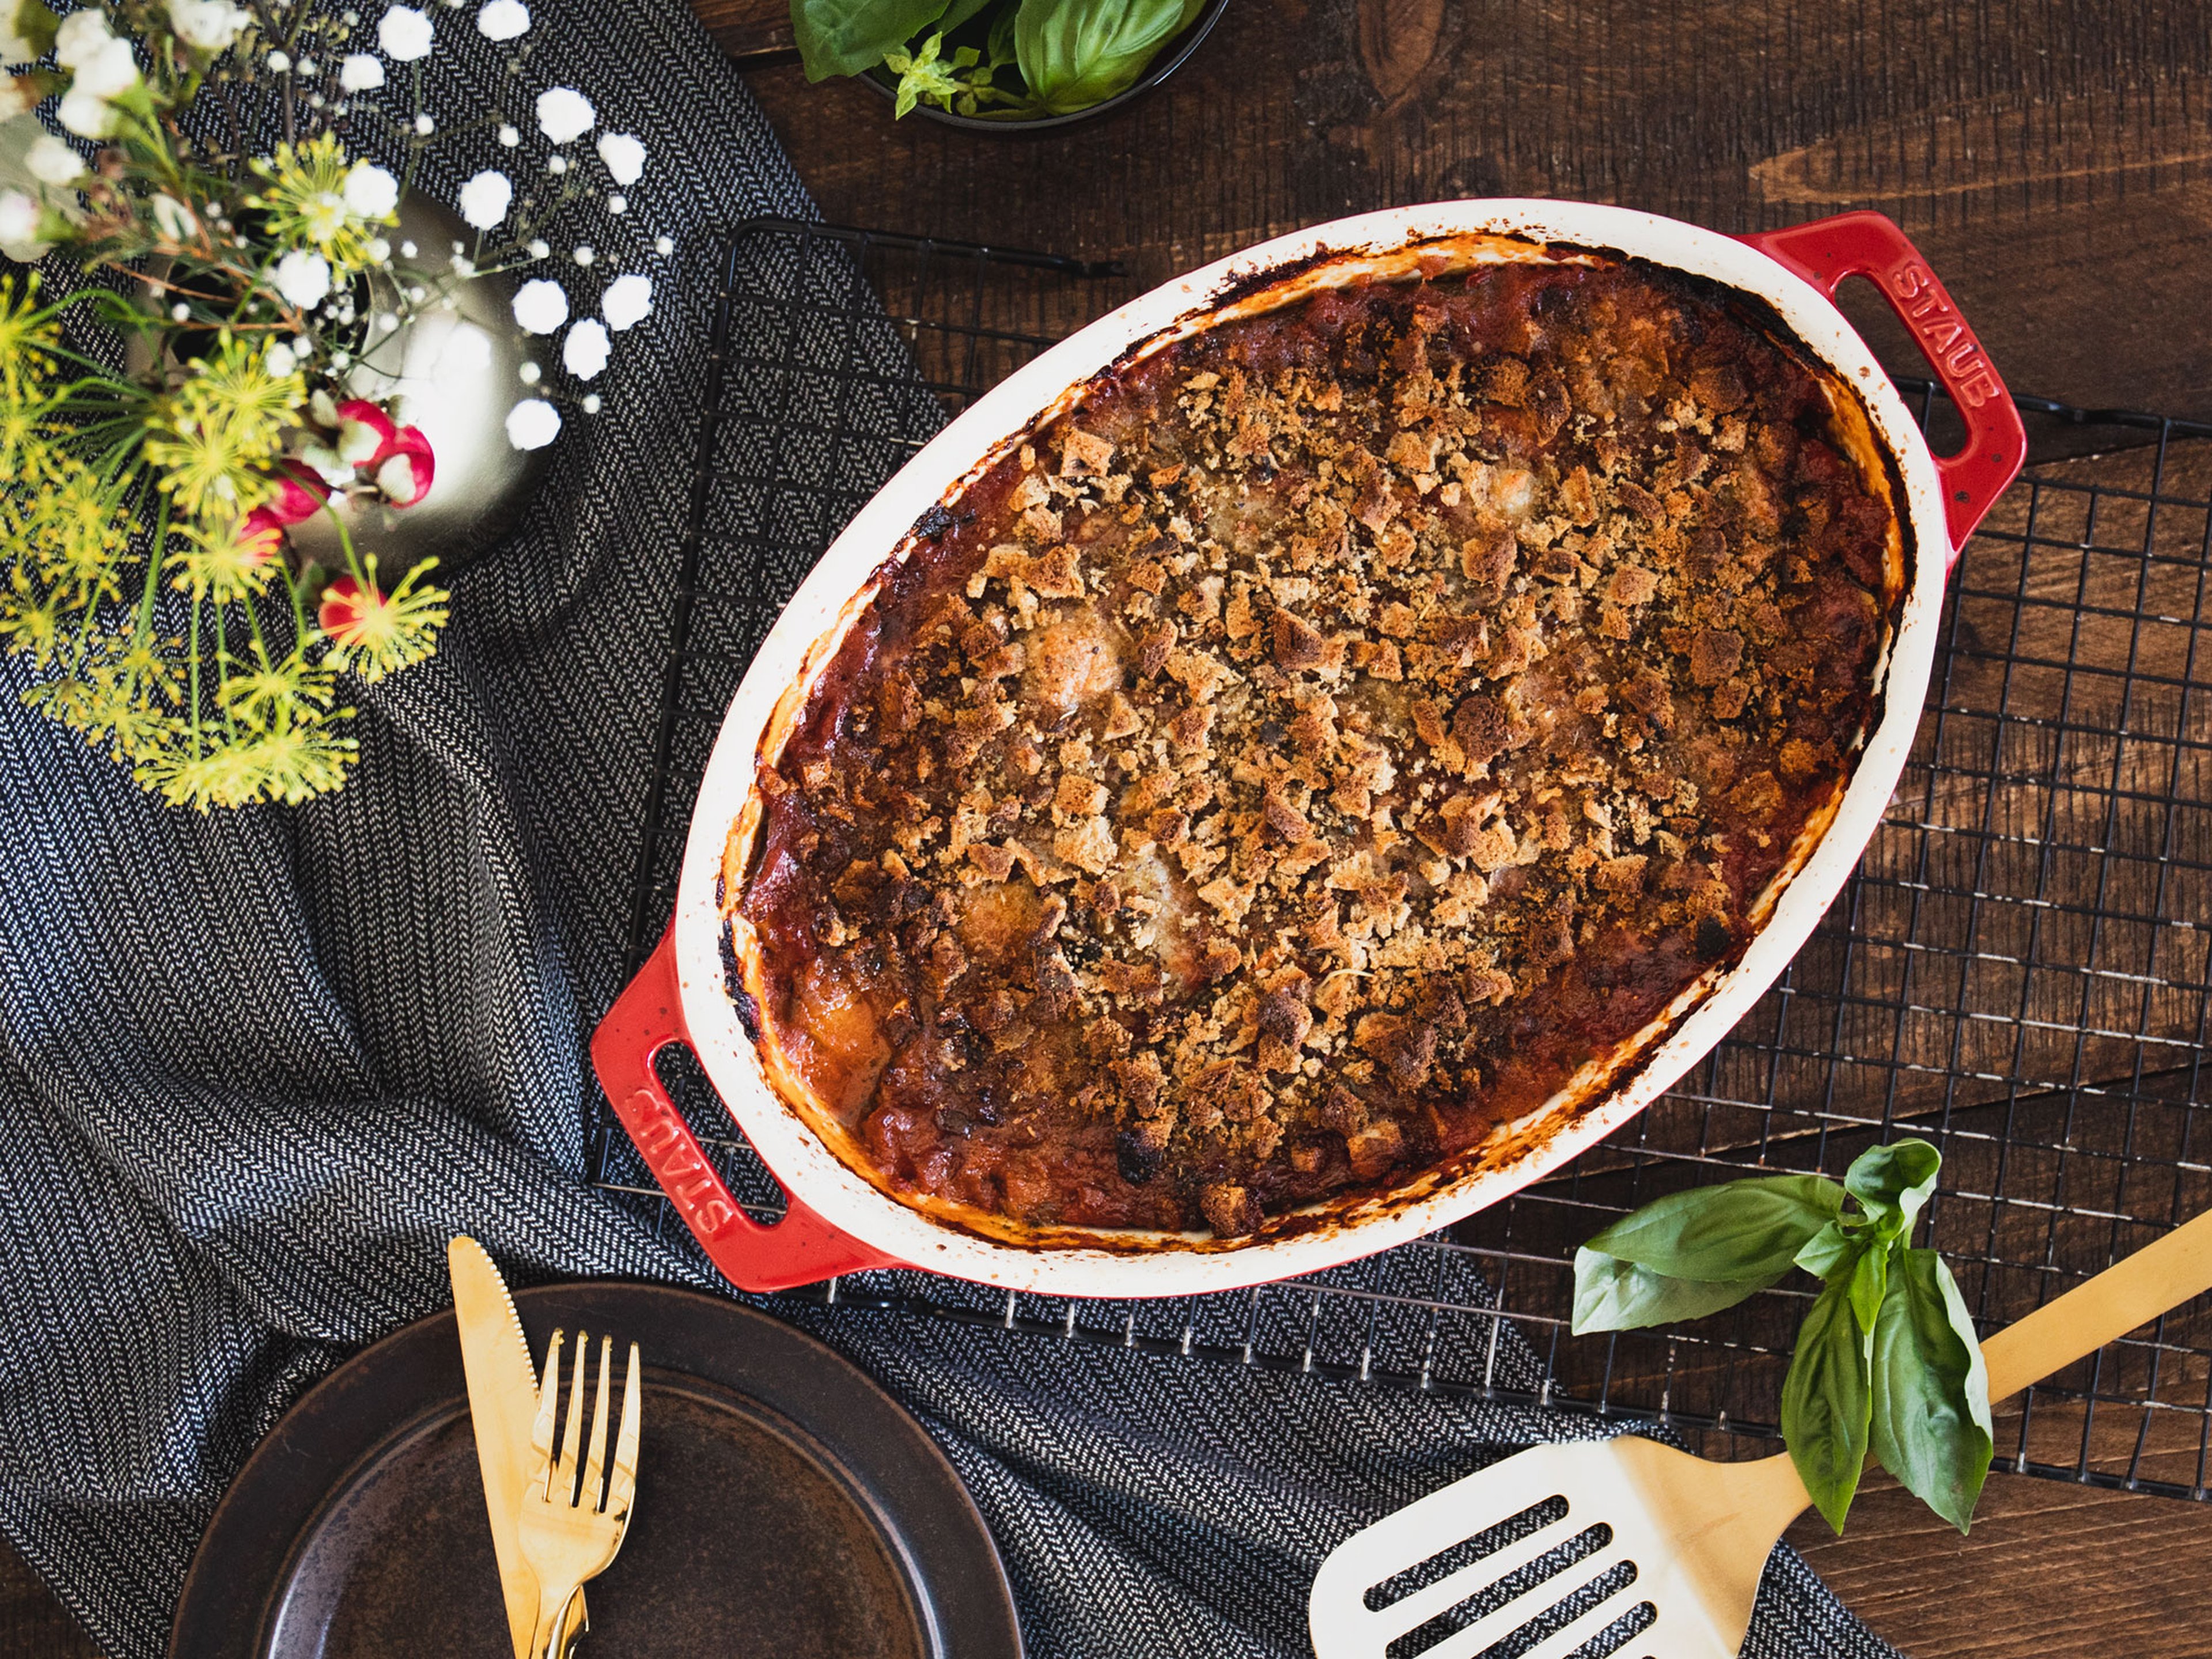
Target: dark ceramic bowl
[(1166, 62)]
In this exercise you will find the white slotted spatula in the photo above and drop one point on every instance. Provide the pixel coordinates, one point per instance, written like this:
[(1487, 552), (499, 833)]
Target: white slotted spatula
[(1688, 1536)]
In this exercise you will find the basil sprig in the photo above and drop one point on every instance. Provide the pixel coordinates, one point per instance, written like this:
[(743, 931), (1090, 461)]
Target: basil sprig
[(1067, 54), (1887, 1362)]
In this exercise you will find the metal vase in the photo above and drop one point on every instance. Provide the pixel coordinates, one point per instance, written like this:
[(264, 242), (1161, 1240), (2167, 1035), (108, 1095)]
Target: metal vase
[(455, 370)]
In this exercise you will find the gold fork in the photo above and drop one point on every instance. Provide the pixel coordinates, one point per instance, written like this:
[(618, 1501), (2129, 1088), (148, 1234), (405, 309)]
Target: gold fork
[(570, 1531)]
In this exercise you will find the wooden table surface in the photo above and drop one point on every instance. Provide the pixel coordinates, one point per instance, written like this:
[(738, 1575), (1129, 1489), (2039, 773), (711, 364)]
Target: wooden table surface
[(2054, 162)]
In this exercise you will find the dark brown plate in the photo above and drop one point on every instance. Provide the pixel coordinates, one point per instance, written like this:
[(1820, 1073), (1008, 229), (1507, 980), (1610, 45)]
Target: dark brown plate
[(785, 1506)]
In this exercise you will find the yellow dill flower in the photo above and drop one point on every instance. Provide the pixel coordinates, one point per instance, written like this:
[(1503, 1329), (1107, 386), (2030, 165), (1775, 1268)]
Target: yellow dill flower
[(83, 535), (129, 709), (142, 668), (28, 336), (218, 773), (223, 560), (65, 698), (214, 439), (137, 731), (294, 688), (373, 633), (307, 203), (297, 759)]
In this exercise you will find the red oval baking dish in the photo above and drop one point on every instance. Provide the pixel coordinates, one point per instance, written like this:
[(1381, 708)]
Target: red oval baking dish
[(838, 1221)]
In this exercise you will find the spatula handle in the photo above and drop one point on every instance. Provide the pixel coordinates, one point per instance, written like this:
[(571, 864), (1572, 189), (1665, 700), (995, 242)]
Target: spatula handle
[(2155, 1279)]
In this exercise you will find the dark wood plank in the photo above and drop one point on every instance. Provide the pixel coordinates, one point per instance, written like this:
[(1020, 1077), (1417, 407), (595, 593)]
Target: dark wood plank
[(2052, 161), (750, 31), (2049, 1572), (32, 1625)]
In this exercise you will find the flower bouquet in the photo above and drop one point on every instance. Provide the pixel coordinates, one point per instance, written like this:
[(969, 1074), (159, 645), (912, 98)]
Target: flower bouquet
[(206, 443)]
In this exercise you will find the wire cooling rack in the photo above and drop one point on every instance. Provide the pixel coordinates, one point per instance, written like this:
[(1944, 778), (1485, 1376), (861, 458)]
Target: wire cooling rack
[(2017, 971)]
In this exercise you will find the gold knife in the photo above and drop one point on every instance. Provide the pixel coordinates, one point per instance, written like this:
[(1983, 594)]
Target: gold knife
[(502, 1401)]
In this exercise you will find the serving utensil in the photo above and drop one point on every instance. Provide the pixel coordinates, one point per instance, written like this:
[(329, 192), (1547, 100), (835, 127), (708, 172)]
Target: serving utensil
[(569, 1529), (1687, 1536)]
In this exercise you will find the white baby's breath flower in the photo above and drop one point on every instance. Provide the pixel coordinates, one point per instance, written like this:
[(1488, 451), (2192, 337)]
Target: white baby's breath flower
[(207, 26), (370, 191), (52, 162), (279, 62), (624, 155), (485, 198), (532, 423), (360, 72), (87, 114), (584, 353), (627, 301), (503, 19), (279, 359), (303, 278), (403, 34), (108, 71), (82, 34), (19, 227), (541, 306), (173, 219), (425, 124), (564, 114)]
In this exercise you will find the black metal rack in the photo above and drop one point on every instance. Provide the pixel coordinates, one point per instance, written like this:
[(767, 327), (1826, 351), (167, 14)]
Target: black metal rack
[(2020, 969)]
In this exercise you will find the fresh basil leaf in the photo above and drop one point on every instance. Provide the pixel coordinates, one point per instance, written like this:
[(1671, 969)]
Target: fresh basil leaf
[(958, 13), (1075, 53), (1001, 47), (1932, 1397), (1827, 1403), (1739, 1229), (846, 37), (1830, 1248), (1893, 1182), (1868, 1285), (1613, 1295)]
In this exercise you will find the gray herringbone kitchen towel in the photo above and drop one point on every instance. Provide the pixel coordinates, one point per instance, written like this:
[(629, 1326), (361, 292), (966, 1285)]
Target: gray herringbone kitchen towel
[(254, 1069)]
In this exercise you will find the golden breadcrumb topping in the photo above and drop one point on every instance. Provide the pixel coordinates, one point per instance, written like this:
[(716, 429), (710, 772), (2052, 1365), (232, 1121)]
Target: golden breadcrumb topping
[(1306, 753)]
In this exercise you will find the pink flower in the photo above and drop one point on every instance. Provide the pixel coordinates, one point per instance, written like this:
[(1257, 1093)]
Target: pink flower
[(300, 494), (261, 535), (405, 468), (350, 613), (396, 459), (365, 433)]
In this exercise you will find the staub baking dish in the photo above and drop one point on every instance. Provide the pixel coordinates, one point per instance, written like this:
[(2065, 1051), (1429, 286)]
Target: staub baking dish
[(839, 1221)]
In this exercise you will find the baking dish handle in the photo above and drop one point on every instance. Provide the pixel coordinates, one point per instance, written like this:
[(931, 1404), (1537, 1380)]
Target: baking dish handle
[(802, 1248), (1825, 251)]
